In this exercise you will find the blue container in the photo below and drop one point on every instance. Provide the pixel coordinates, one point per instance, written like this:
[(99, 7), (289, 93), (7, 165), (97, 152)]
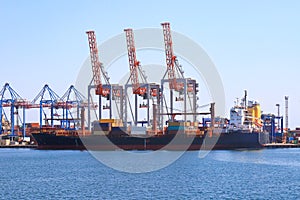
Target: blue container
[(175, 128)]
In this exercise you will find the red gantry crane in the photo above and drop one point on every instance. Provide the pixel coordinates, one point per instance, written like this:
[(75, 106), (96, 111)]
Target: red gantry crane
[(97, 66), (112, 92), (139, 84), (171, 60), (186, 87), (134, 65)]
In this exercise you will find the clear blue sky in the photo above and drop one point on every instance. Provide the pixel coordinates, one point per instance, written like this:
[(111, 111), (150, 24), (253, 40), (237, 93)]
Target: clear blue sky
[(255, 45)]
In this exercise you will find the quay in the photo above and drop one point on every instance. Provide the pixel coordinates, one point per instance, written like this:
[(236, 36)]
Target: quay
[(281, 145), (31, 146)]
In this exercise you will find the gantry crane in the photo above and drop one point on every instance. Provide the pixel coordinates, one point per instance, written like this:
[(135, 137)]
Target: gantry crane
[(97, 66), (15, 101), (112, 92), (186, 87), (134, 65), (53, 102), (139, 84), (172, 63), (74, 99)]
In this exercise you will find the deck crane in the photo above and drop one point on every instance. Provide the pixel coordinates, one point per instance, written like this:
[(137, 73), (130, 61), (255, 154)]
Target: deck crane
[(112, 92), (177, 82), (139, 84)]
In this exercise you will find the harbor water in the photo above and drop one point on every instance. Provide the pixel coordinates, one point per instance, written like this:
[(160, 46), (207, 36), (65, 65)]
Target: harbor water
[(258, 174)]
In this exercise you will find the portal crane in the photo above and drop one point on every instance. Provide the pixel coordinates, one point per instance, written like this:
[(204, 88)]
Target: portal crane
[(139, 84), (171, 60), (134, 65), (186, 87), (97, 66), (112, 92)]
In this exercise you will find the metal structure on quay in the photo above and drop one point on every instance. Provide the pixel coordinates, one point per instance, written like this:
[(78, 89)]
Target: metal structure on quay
[(72, 99), (149, 92), (147, 96), (106, 92)]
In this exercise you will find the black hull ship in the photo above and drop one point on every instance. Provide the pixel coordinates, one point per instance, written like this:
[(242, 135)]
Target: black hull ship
[(118, 139)]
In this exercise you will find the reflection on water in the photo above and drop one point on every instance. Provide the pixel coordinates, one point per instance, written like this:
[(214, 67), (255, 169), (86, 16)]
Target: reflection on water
[(282, 157)]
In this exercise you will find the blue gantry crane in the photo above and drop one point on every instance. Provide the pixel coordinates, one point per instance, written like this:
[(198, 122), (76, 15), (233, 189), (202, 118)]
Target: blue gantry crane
[(73, 99), (53, 102), (269, 125), (14, 101)]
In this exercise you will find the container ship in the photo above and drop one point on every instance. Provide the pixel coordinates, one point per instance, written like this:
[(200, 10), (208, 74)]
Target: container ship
[(244, 130)]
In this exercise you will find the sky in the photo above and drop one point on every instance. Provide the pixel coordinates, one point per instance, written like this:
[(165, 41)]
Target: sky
[(254, 45)]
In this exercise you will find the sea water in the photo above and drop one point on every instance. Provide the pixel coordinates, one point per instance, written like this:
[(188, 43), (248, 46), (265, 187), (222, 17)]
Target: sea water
[(261, 174)]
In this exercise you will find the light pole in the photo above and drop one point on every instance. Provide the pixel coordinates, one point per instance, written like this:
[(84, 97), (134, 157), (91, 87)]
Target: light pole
[(278, 114)]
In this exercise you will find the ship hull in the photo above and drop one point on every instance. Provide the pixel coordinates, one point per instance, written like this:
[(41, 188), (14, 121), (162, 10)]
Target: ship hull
[(224, 141)]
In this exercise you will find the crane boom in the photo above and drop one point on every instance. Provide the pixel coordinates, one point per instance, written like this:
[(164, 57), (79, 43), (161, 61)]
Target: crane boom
[(170, 57), (134, 64), (97, 65)]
